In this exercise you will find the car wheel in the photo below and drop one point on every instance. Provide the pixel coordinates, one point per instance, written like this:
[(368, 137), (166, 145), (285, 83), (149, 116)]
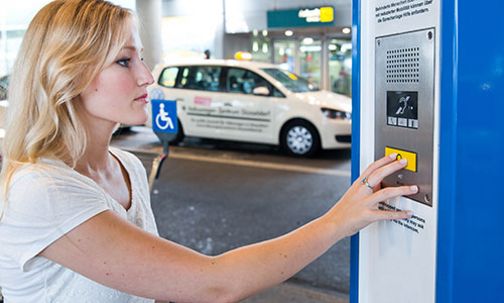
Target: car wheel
[(300, 138), (180, 134)]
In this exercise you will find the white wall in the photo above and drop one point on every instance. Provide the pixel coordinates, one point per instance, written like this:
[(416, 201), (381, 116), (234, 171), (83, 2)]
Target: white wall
[(202, 24), (192, 26)]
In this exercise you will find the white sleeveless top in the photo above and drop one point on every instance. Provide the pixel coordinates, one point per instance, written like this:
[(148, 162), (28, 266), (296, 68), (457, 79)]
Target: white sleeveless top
[(47, 200)]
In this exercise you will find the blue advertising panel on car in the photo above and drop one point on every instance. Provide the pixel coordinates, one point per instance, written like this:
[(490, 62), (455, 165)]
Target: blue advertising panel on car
[(164, 116)]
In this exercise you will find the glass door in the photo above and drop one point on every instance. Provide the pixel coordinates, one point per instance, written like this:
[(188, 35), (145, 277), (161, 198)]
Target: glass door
[(310, 60), (340, 66), (284, 54)]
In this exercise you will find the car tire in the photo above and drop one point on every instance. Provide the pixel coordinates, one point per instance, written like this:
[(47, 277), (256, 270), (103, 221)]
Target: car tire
[(180, 134), (299, 138)]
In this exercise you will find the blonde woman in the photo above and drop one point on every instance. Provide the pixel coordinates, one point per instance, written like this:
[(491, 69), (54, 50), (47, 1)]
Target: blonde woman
[(77, 225)]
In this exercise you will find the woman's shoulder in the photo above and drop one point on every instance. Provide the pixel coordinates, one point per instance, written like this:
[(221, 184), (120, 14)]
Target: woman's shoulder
[(47, 175), (39, 170), (49, 186)]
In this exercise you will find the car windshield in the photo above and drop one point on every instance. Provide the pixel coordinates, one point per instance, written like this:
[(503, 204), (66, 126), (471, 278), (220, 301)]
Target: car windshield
[(292, 82)]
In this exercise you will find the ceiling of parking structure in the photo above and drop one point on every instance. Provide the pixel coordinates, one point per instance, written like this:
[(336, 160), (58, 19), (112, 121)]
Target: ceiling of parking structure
[(245, 15)]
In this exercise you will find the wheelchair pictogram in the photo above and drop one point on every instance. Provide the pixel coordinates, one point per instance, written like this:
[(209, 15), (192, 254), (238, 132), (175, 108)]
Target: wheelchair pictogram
[(163, 120), (164, 116)]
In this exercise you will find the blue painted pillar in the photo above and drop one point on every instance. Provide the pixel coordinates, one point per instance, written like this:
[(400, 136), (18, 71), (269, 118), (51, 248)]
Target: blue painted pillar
[(469, 147)]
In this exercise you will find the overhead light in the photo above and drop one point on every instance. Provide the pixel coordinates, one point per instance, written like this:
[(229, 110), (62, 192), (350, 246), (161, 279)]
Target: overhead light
[(310, 48), (265, 48), (265, 33), (289, 33), (307, 40), (346, 30), (254, 32), (346, 47), (255, 46)]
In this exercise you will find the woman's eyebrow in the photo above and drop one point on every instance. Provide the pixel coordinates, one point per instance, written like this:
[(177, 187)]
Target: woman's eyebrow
[(131, 47)]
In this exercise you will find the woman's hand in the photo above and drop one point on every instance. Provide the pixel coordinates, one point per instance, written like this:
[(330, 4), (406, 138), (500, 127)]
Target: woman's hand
[(359, 206)]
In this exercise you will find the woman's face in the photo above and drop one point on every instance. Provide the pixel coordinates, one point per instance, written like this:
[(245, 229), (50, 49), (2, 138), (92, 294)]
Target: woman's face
[(118, 94)]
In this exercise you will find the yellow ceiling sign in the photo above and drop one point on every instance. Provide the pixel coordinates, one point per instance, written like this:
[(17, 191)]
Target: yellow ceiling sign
[(326, 14), (302, 17)]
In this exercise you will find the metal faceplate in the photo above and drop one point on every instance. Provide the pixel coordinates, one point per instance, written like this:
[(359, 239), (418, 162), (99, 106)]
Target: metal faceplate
[(404, 104)]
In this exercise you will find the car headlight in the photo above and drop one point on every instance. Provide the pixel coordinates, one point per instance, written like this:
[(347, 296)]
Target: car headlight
[(336, 114)]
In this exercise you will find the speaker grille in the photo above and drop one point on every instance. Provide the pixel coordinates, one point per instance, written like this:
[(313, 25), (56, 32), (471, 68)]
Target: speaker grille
[(403, 65)]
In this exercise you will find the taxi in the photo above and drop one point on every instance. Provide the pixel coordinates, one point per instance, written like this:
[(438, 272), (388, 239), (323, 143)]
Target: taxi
[(4, 84), (253, 102)]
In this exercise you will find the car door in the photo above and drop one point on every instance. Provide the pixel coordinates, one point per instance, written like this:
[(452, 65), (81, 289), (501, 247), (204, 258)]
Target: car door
[(247, 115), (201, 90)]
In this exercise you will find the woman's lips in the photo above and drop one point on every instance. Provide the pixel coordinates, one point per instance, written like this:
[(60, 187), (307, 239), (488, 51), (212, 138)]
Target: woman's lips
[(142, 98)]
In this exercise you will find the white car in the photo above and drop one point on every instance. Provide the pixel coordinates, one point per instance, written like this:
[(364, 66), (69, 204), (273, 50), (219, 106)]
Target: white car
[(253, 102), (4, 84)]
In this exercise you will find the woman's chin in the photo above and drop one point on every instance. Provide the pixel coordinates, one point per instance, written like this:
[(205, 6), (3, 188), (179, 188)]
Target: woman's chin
[(140, 120)]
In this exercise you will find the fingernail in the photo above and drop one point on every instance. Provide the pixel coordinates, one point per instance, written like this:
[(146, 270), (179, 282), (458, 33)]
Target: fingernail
[(414, 188), (393, 155), (403, 161)]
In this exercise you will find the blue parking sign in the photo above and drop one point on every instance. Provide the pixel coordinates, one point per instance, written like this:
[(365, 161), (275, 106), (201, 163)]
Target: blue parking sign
[(164, 116)]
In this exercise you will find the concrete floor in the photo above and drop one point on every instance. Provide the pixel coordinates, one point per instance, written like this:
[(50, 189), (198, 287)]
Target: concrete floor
[(298, 293)]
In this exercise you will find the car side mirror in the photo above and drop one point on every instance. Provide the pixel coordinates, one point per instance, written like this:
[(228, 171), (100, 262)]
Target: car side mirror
[(261, 91)]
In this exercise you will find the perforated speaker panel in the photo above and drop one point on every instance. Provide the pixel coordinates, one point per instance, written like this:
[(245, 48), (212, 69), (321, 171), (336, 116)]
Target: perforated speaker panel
[(403, 65)]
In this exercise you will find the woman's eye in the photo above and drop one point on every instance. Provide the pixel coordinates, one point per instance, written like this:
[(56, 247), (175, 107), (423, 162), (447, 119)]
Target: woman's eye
[(124, 62)]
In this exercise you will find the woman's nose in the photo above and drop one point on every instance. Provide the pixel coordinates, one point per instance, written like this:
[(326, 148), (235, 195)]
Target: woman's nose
[(145, 78)]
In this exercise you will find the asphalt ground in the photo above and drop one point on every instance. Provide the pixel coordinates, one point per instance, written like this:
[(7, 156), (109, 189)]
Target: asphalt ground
[(215, 196)]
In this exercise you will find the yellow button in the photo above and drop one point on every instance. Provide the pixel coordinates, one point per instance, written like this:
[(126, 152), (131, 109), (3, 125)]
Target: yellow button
[(402, 154)]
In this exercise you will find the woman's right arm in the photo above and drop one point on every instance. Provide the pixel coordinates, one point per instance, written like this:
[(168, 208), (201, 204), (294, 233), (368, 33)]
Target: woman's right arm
[(113, 252)]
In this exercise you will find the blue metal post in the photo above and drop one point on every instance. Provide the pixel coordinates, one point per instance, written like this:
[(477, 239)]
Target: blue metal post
[(470, 233), (354, 242)]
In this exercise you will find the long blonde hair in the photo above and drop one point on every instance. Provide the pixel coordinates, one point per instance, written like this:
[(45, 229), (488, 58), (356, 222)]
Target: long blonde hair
[(66, 45)]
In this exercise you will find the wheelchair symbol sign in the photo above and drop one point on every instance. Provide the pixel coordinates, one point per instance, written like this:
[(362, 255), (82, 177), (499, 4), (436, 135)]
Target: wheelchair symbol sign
[(164, 116)]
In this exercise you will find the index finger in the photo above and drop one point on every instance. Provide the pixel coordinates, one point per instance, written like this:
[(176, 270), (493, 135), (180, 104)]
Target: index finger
[(379, 163)]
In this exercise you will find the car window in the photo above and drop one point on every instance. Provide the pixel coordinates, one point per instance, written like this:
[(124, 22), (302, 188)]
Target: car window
[(184, 78), (291, 81), (244, 81), (168, 77), (200, 78)]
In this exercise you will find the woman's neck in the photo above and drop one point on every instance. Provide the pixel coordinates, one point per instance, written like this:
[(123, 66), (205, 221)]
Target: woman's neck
[(96, 156)]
